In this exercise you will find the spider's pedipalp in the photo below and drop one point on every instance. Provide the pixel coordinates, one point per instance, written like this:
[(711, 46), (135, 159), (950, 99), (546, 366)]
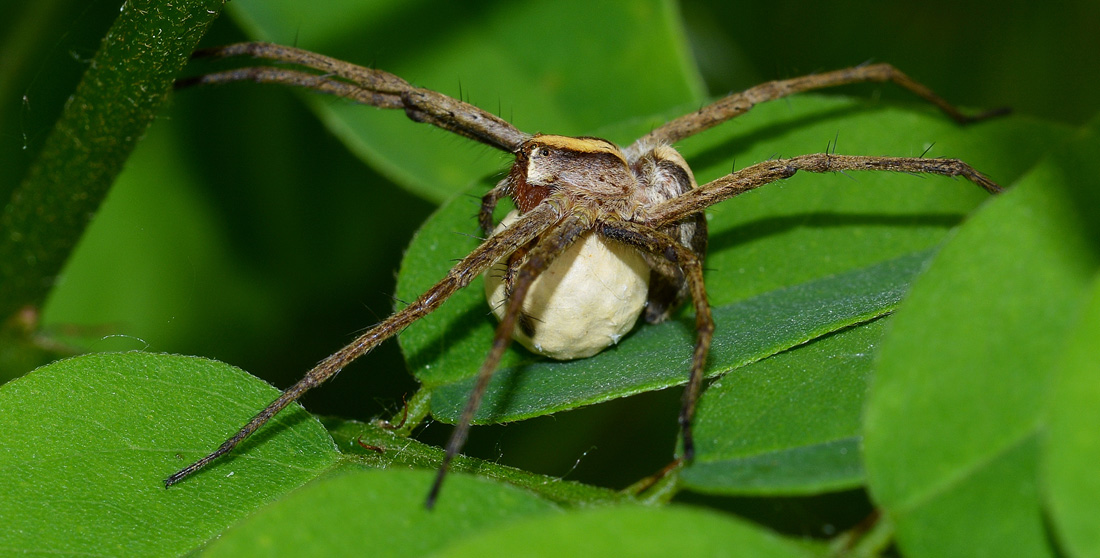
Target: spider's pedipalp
[(489, 203)]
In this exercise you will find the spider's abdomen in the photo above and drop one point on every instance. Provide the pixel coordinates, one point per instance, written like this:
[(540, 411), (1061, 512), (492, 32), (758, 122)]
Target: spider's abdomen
[(583, 303)]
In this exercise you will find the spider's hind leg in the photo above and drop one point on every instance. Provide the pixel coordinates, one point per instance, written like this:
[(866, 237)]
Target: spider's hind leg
[(736, 104), (664, 247), (551, 245)]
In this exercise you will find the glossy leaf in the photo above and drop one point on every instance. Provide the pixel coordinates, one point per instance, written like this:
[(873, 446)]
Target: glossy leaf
[(955, 417), (86, 443), (790, 424), (629, 531), (1072, 449), (377, 513), (656, 357)]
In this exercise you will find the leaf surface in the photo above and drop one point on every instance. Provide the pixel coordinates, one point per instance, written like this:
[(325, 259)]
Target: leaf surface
[(377, 513), (1071, 449), (85, 445), (790, 424), (117, 99), (629, 531), (955, 417)]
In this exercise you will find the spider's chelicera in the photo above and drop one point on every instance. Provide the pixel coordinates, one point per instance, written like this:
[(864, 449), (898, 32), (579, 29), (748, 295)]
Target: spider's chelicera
[(636, 211)]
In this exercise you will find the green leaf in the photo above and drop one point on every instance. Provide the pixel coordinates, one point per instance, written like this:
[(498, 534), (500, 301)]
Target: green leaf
[(85, 445), (656, 357), (1072, 449), (117, 424), (806, 229), (955, 417), (117, 99), (790, 424), (513, 61), (377, 513), (628, 531), (381, 448)]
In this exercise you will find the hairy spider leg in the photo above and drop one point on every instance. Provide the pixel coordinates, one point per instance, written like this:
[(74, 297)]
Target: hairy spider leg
[(736, 104), (661, 245), (760, 174), (529, 227)]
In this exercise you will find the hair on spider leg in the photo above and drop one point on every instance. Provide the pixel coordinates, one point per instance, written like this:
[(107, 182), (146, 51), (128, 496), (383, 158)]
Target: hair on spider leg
[(398, 300), (638, 208), (476, 237), (848, 176)]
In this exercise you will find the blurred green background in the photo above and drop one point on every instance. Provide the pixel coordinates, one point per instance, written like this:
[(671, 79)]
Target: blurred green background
[(243, 230)]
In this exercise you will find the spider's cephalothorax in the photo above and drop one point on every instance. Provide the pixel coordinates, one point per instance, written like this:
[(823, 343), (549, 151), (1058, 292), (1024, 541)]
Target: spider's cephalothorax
[(639, 204), (591, 295)]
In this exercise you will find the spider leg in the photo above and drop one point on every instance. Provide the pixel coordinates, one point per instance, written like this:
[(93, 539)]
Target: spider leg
[(530, 225), (737, 104), (322, 83), (760, 174), (363, 85), (665, 247), (549, 247)]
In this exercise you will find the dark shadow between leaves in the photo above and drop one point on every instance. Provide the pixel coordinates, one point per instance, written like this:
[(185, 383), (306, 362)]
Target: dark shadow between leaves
[(822, 516), (770, 226)]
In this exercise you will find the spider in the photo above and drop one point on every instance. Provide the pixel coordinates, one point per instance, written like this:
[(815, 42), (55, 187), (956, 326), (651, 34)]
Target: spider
[(636, 210)]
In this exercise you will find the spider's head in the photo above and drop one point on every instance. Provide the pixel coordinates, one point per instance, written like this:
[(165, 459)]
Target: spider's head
[(584, 167)]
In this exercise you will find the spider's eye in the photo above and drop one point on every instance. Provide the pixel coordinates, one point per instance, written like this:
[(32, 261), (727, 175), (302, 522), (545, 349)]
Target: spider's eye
[(542, 152)]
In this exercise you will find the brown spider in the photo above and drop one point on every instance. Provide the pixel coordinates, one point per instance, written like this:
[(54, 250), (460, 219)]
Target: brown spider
[(571, 191)]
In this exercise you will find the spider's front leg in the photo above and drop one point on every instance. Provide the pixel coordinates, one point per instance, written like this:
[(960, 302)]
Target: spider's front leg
[(647, 233), (362, 85)]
